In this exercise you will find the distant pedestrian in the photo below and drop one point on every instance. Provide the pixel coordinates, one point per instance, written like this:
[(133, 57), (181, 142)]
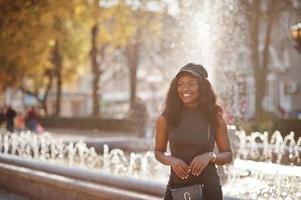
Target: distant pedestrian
[(2, 116), (282, 112), (10, 116), (139, 116), (20, 122), (32, 120)]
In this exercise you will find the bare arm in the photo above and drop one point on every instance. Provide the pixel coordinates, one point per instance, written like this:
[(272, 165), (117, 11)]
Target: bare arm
[(161, 142), (222, 140), (178, 165)]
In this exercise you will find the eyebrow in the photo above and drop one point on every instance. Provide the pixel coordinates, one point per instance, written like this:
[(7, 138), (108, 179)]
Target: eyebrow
[(187, 82)]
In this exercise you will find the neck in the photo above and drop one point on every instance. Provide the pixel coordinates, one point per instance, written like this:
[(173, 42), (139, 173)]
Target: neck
[(185, 107), (191, 105)]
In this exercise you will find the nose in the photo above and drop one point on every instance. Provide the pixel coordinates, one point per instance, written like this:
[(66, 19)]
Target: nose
[(186, 88)]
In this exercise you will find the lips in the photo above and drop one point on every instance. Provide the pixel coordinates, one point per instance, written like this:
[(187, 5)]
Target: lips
[(186, 95)]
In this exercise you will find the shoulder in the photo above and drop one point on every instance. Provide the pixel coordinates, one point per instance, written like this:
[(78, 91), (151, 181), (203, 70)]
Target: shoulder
[(161, 120)]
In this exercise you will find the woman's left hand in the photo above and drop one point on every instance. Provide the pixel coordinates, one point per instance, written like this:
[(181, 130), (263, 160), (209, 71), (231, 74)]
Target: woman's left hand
[(199, 163)]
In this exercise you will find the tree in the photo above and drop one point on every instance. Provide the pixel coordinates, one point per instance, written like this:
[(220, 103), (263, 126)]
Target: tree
[(262, 17), (142, 26), (37, 36), (22, 52), (113, 26), (260, 68), (96, 16)]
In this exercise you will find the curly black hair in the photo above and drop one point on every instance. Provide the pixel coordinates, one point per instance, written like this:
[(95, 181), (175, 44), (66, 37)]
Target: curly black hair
[(207, 103)]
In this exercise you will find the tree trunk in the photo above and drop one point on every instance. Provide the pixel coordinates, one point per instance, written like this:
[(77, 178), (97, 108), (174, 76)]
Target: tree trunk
[(259, 94), (260, 68), (95, 70), (57, 61), (48, 73), (254, 33), (132, 54), (133, 83)]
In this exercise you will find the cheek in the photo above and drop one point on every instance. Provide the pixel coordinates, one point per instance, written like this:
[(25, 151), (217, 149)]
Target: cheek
[(196, 94), (196, 91), (179, 91)]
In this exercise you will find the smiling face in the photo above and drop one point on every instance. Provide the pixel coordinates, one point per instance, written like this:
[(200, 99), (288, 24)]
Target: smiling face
[(188, 89)]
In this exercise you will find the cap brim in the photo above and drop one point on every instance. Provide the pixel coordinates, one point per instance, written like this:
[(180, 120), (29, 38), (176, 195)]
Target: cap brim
[(189, 71)]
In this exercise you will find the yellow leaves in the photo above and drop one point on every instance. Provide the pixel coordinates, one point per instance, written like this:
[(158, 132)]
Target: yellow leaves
[(51, 42), (106, 14), (103, 35), (31, 33), (129, 30), (46, 18), (79, 9)]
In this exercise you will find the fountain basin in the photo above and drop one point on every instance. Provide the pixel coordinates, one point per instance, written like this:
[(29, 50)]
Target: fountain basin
[(94, 176), (42, 185), (45, 180)]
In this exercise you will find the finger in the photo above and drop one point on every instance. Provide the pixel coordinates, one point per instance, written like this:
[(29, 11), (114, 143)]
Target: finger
[(192, 164), (184, 171), (177, 173), (186, 168), (200, 170), (182, 174), (195, 169), (180, 171)]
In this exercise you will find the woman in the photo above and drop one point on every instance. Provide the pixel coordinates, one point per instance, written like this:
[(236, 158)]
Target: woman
[(192, 123)]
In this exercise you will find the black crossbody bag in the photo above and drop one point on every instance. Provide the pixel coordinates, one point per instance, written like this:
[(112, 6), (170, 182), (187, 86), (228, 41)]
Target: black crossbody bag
[(190, 192)]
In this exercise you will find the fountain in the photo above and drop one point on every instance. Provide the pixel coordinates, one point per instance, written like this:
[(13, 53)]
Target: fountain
[(142, 174), (278, 150), (262, 169)]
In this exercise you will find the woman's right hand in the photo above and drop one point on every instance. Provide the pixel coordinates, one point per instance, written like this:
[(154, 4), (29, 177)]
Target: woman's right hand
[(180, 168)]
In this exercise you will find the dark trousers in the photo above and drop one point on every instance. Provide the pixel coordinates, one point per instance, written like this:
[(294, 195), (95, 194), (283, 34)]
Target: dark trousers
[(10, 125)]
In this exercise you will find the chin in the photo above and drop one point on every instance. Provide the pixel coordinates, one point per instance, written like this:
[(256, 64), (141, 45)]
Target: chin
[(187, 102)]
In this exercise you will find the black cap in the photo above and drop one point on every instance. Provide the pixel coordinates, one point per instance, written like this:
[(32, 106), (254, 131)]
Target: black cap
[(194, 69)]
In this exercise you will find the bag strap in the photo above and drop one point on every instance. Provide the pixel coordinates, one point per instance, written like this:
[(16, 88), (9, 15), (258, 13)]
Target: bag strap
[(208, 134), (208, 137)]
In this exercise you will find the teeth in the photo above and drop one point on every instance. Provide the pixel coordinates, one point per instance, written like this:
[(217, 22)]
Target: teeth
[(186, 95)]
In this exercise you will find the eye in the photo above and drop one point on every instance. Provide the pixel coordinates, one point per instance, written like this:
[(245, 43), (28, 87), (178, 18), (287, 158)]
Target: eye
[(192, 84)]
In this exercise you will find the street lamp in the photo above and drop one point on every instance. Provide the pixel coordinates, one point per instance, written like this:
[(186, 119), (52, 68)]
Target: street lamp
[(296, 33)]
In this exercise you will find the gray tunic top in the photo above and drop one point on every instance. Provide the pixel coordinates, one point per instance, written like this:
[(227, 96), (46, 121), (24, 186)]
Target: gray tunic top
[(191, 137)]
